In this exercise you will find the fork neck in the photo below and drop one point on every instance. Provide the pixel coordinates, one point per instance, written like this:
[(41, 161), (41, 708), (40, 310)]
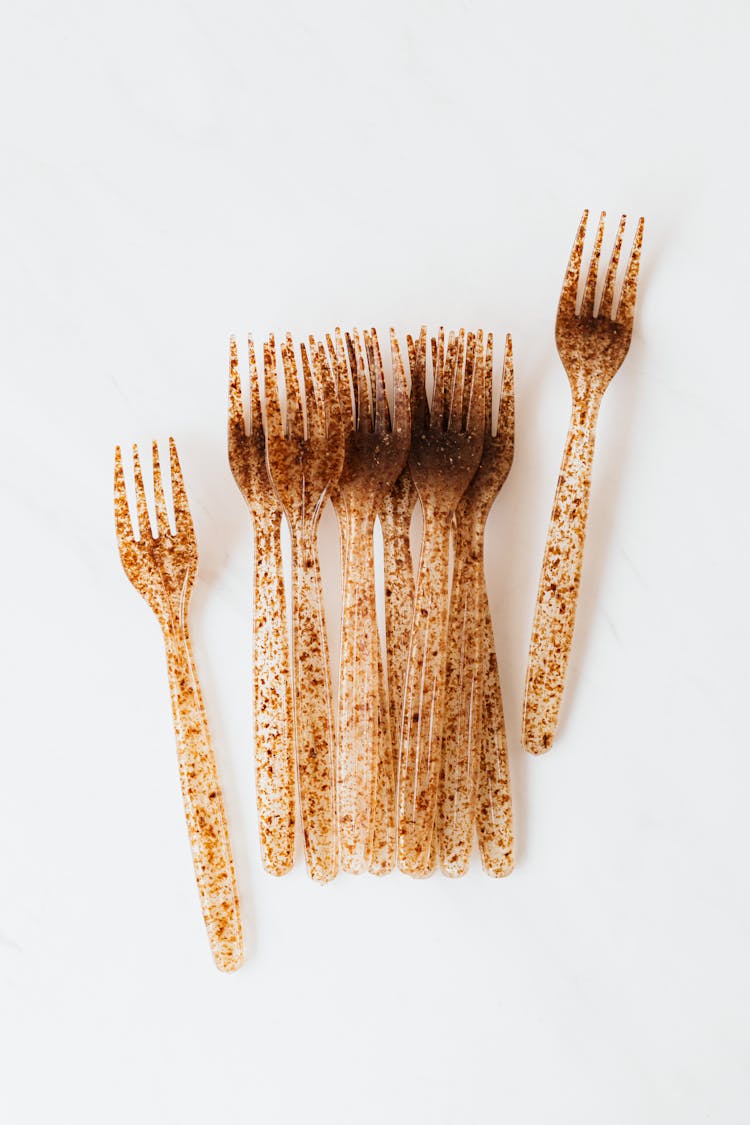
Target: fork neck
[(587, 398), (438, 512)]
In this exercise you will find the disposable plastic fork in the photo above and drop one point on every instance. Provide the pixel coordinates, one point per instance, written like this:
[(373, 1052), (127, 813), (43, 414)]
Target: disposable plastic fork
[(162, 569), (474, 779), (375, 453), (305, 457), (275, 763), (592, 345), (446, 446)]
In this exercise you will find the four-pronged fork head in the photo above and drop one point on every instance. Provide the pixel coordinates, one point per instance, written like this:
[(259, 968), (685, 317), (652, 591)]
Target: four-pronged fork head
[(593, 342), (376, 447), (497, 447), (162, 566), (247, 451), (447, 436), (305, 454)]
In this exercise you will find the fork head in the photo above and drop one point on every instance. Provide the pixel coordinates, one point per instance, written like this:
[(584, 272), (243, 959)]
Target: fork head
[(247, 451), (592, 344), (160, 565), (376, 446), (305, 452), (497, 447), (447, 434)]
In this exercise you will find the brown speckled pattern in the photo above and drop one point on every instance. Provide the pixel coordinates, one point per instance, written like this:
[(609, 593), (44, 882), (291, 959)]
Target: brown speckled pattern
[(375, 454), (446, 447), (592, 348), (305, 456), (162, 569), (275, 763), (474, 777)]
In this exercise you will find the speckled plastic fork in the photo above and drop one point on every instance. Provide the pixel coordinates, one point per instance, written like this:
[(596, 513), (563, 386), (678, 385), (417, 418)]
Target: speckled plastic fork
[(376, 452), (445, 451), (162, 569), (275, 763), (305, 459), (474, 779), (592, 346)]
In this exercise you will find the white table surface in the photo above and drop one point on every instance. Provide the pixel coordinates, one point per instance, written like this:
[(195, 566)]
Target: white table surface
[(174, 172)]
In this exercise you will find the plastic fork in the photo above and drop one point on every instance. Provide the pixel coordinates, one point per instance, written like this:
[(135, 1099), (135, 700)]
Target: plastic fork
[(272, 693), (162, 569), (446, 446), (376, 451), (305, 457), (592, 345), (474, 780)]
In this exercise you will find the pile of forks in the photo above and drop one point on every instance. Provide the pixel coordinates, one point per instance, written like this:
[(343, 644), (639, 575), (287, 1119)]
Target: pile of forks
[(410, 722), (412, 763)]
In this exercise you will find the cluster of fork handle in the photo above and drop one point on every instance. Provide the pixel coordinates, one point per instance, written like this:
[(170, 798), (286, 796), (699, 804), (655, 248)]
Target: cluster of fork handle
[(412, 764)]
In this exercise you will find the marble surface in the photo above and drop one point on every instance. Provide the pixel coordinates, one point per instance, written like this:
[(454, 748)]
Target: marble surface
[(174, 172)]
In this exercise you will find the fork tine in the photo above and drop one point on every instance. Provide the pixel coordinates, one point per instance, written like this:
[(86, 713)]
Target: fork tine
[(459, 378), (236, 420), (271, 384), (475, 414), (144, 523), (256, 411), (337, 351), (123, 521), (294, 418), (417, 357), (569, 293), (363, 411), (162, 516), (377, 382), (400, 389), (626, 304), (182, 518), (471, 357), (506, 411), (331, 411), (608, 293), (453, 386), (589, 292), (314, 406), (437, 407)]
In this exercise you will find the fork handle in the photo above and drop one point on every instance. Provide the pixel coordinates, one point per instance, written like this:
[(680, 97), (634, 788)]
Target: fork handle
[(554, 620), (272, 699), (494, 813), (464, 703), (395, 521), (398, 570), (359, 698), (313, 713), (424, 694), (204, 805), (383, 857)]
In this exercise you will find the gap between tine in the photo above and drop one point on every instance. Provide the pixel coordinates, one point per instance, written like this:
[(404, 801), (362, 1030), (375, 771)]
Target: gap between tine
[(438, 389)]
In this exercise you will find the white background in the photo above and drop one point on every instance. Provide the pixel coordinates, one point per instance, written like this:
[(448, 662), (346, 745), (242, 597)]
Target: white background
[(174, 172)]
